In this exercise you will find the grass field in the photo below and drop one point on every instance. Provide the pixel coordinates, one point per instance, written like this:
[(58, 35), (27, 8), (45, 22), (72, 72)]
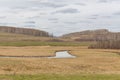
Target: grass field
[(87, 61), (90, 64), (59, 77), (38, 43)]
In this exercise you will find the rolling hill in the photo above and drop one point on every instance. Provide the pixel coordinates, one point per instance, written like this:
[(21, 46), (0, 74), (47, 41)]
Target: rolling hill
[(26, 34), (25, 31), (8, 34), (93, 35)]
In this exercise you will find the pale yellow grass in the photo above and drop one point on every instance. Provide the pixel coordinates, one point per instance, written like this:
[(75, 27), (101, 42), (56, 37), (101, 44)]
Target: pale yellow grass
[(26, 51), (87, 61), (32, 50)]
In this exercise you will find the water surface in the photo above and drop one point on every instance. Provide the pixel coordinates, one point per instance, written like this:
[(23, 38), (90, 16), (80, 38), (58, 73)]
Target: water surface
[(63, 54), (58, 54)]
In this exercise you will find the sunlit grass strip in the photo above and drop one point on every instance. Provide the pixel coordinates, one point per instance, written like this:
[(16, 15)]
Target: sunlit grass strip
[(60, 77), (33, 43)]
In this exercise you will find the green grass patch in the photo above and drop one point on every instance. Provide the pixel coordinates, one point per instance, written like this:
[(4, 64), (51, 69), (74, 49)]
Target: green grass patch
[(37, 43), (59, 77)]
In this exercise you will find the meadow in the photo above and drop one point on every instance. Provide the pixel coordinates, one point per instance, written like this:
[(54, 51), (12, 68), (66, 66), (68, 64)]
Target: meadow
[(59, 77), (39, 43), (90, 64)]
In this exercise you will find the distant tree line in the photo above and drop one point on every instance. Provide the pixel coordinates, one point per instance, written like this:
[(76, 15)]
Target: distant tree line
[(99, 37), (24, 31), (93, 35), (110, 44)]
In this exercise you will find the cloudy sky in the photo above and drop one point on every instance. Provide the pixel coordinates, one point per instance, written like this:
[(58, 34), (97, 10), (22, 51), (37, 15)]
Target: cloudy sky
[(61, 16)]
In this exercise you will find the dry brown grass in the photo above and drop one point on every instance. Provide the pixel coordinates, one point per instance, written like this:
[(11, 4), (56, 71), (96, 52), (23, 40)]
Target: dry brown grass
[(26, 51), (87, 61), (32, 50)]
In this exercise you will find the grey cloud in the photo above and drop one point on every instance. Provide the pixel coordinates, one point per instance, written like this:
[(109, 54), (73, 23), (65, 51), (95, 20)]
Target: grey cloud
[(3, 17), (19, 7), (106, 16), (47, 4), (53, 19), (28, 8), (54, 22), (103, 1), (82, 4), (29, 25), (85, 21), (34, 17), (37, 16), (71, 22), (30, 22), (58, 0), (92, 18), (117, 13), (3, 23), (43, 13), (6, 23), (95, 15), (68, 10), (52, 5), (106, 1)]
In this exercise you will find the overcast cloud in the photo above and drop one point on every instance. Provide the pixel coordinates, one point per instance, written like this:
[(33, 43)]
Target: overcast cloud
[(61, 16)]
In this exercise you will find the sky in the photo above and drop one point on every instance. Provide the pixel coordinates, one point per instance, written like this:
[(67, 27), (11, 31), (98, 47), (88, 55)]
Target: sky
[(59, 17)]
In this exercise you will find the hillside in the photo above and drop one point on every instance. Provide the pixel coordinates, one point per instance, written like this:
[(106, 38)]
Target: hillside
[(13, 34), (25, 31), (93, 35), (12, 37), (26, 34)]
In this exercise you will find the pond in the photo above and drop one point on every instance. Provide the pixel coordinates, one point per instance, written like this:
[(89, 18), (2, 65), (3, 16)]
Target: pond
[(63, 54)]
